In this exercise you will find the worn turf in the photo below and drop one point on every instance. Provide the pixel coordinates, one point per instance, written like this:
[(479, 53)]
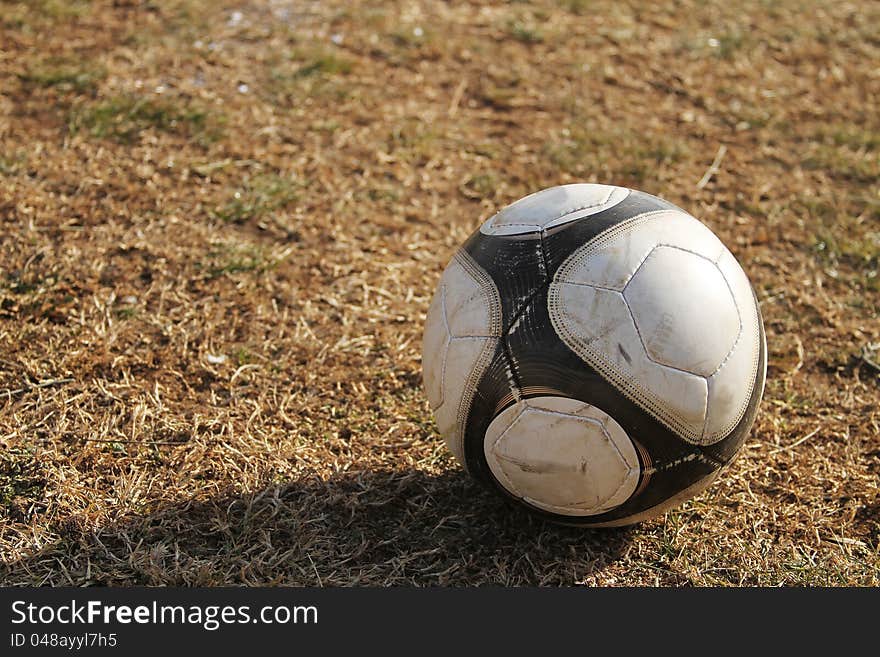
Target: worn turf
[(221, 224)]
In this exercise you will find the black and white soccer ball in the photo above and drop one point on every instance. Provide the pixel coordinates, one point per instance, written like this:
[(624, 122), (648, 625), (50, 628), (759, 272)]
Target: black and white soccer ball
[(594, 353)]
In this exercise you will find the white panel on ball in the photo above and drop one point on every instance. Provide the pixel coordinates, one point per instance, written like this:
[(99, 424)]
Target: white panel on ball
[(553, 207), (728, 397), (562, 455), (597, 325), (693, 331), (686, 313), (461, 333)]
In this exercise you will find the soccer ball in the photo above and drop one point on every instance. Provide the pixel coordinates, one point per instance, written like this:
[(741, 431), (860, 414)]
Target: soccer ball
[(595, 354)]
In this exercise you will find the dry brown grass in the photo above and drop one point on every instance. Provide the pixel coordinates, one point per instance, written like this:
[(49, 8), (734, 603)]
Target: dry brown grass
[(221, 231)]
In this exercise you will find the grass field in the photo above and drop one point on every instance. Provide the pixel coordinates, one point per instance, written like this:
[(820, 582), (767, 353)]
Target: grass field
[(221, 224)]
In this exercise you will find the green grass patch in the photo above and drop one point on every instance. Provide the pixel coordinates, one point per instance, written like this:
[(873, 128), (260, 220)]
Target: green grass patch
[(414, 37), (243, 356), (725, 43), (844, 164), (413, 141), (498, 90), (11, 164), (35, 12), (525, 32), (578, 7), (125, 313), (60, 9), (729, 43), (36, 16), (21, 477), (258, 197), (229, 259), (835, 242), (855, 137), (846, 152), (124, 118), (64, 74), (320, 62), (308, 72), (481, 186)]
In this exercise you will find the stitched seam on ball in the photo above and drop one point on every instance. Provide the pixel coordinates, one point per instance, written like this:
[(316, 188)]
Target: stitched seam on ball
[(576, 506), (691, 251), (597, 287), (596, 359), (516, 418), (593, 509), (578, 208), (709, 383), (703, 439), (641, 396), (445, 349), (648, 353), (564, 415), (590, 248), (715, 436), (738, 317), (603, 500), (623, 480), (463, 259), (756, 357), (487, 287), (495, 226), (613, 442), (470, 390), (625, 382), (609, 234), (493, 304), (478, 294), (679, 248), (628, 224), (729, 353), (635, 271), (576, 415)]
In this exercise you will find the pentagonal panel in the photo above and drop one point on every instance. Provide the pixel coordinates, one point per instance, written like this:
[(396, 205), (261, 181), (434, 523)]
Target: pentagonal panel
[(461, 333), (683, 309), (552, 207), (562, 455)]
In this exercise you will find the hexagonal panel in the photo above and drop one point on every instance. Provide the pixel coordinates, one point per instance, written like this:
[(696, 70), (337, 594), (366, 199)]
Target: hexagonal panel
[(683, 310), (562, 455)]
